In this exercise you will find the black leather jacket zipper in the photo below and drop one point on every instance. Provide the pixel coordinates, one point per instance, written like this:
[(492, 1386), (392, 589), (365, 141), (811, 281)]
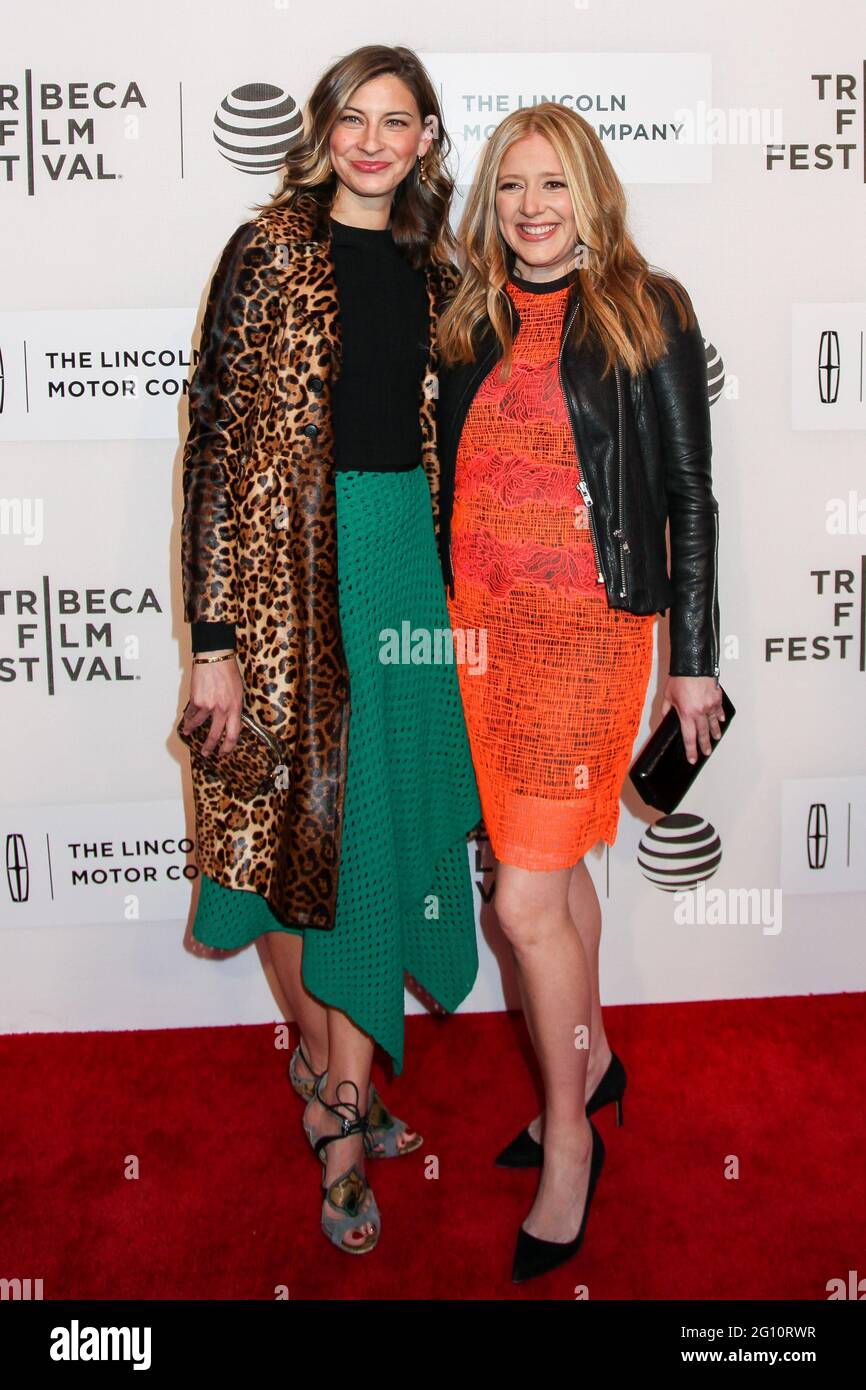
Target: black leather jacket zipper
[(581, 486), (620, 531), (715, 591)]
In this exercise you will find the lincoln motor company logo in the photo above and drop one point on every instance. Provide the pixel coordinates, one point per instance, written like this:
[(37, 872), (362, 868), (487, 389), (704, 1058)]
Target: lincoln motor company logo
[(828, 367), (816, 835), (17, 868)]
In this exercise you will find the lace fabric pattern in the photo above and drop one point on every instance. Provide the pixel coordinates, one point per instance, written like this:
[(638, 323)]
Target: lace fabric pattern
[(501, 564), (553, 716)]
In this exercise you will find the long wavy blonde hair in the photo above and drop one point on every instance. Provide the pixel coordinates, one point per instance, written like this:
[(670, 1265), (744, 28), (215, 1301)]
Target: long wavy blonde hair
[(619, 293), (419, 212)]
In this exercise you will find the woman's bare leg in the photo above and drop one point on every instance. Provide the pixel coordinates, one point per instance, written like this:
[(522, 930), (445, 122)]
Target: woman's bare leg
[(314, 1018), (585, 912), (533, 911), (350, 1056), (333, 1044), (286, 949)]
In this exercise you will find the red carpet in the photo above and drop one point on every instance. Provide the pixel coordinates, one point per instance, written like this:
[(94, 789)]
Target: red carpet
[(226, 1203)]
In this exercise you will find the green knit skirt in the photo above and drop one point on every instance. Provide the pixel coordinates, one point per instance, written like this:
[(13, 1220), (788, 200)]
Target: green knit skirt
[(404, 898)]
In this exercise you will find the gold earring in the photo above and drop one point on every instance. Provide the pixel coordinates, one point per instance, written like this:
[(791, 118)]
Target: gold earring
[(422, 170)]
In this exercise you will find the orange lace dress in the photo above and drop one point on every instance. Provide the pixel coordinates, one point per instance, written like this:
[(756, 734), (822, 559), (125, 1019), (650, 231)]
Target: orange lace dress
[(553, 680)]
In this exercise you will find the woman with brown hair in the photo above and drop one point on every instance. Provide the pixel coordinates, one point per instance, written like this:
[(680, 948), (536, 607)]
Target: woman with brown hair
[(311, 492), (574, 423)]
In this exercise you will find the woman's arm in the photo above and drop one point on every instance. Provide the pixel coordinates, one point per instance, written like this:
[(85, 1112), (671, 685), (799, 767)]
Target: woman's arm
[(679, 383), (242, 312)]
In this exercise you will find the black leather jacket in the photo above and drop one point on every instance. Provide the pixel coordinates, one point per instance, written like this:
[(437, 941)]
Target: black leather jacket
[(644, 447)]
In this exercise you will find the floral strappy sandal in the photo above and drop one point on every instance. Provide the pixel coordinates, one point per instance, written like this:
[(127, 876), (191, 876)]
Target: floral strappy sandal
[(384, 1129), (343, 1210)]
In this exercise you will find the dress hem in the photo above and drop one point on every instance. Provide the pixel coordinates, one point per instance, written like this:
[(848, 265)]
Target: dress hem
[(607, 836)]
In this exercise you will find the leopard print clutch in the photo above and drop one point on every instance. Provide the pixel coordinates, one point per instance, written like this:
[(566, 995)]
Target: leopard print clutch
[(250, 769)]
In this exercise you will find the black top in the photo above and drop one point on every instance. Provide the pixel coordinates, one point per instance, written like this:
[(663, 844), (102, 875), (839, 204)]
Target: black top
[(543, 286), (384, 316), (385, 323)]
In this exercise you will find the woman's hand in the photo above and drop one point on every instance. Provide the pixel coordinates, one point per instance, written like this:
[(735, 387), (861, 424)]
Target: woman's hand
[(216, 693), (698, 702)]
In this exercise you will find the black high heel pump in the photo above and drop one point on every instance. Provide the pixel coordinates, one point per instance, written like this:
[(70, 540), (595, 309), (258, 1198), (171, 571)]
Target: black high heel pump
[(526, 1152), (533, 1256)]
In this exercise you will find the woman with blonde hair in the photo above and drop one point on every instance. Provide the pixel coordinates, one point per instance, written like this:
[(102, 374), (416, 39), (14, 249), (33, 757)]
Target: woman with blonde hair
[(311, 491), (573, 425)]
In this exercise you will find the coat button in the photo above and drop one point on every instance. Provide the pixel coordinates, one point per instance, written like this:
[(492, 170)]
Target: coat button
[(316, 384), (311, 431)]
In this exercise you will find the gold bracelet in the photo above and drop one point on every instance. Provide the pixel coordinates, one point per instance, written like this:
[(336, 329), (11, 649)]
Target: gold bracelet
[(201, 660)]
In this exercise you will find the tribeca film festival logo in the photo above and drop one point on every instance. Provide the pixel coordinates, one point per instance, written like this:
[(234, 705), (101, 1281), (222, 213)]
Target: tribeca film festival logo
[(840, 595), (50, 131), (840, 102), (839, 97), (82, 635), (62, 132)]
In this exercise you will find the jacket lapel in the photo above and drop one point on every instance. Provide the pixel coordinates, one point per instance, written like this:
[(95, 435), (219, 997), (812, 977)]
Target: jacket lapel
[(308, 267)]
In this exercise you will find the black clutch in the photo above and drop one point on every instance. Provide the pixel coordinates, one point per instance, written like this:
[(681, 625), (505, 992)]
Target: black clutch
[(661, 772)]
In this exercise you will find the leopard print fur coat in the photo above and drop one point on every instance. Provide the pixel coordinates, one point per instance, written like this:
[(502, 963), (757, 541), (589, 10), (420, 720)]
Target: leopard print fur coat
[(259, 546)]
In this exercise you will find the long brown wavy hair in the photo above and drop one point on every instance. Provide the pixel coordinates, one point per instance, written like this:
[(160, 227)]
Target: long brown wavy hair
[(619, 293), (419, 211)]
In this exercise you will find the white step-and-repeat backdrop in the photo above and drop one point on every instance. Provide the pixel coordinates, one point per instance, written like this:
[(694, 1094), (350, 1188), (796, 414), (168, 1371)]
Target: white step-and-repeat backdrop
[(739, 134)]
